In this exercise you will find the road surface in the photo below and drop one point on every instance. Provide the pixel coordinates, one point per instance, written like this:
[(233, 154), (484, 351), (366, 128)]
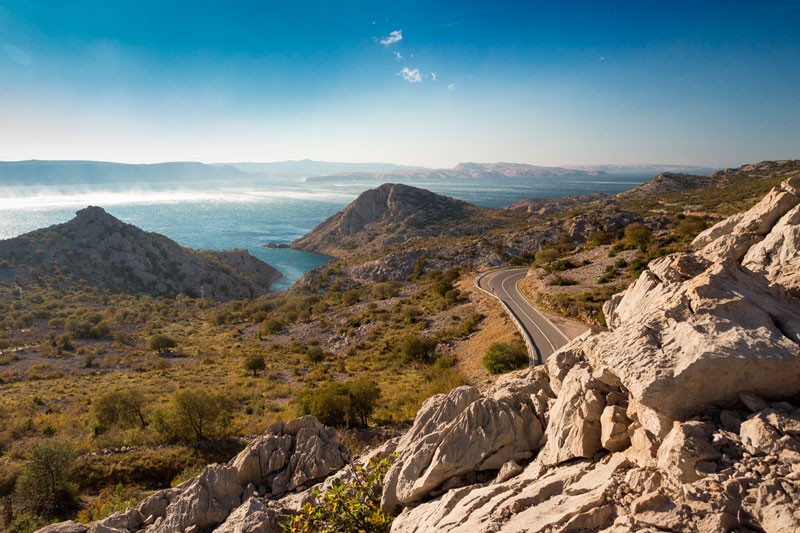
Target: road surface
[(544, 337)]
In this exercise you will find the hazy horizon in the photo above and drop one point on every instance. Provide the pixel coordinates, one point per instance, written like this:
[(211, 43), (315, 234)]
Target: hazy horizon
[(707, 84)]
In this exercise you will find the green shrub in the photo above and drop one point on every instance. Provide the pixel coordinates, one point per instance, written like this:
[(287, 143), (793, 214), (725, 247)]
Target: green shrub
[(195, 414), (418, 349), (341, 404), (504, 357), (352, 504)]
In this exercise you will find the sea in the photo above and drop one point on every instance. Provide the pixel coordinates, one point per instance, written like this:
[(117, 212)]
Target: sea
[(254, 213)]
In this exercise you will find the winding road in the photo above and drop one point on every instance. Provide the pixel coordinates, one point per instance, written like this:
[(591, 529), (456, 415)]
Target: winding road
[(543, 338)]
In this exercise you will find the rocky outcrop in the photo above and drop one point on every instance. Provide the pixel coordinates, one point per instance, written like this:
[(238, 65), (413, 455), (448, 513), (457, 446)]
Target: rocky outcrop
[(458, 438), (389, 214), (240, 496), (668, 182), (668, 421), (98, 248)]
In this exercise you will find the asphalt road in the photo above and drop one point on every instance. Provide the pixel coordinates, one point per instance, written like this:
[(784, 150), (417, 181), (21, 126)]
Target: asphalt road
[(544, 337)]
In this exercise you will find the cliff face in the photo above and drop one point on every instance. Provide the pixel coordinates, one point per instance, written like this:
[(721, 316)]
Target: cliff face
[(100, 249), (389, 214)]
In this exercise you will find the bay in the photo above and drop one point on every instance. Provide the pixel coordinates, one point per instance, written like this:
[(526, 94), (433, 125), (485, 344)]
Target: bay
[(252, 213)]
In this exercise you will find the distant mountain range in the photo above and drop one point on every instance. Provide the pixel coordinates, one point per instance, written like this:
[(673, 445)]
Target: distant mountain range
[(34, 172)]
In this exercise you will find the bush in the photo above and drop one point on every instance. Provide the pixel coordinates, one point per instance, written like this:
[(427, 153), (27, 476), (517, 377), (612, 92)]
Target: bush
[(161, 343), (315, 354), (418, 349), (637, 236), (46, 480), (352, 504), (504, 357)]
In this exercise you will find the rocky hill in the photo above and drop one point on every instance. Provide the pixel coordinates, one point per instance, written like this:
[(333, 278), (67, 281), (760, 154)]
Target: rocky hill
[(389, 214), (669, 182), (97, 248), (683, 416)]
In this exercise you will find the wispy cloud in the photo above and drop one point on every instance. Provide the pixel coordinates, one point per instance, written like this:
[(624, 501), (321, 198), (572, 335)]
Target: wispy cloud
[(16, 55), (433, 76), (452, 86), (394, 37), (411, 75), (398, 55)]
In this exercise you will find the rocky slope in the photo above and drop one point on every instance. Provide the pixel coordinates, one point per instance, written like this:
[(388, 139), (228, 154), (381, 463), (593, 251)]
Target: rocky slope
[(97, 248), (667, 182), (683, 416), (389, 214)]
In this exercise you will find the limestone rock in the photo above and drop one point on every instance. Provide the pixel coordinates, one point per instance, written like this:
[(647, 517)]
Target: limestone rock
[(574, 428), (667, 338), (614, 428), (64, 527), (291, 456), (206, 501), (251, 517), (482, 435), (683, 448)]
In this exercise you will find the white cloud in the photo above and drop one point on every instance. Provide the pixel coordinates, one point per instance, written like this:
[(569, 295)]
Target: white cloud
[(411, 75), (452, 86), (394, 37), (398, 55), (433, 76)]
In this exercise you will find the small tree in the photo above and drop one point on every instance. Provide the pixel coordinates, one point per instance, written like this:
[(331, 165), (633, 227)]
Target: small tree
[(255, 363), (161, 343), (364, 395), (122, 407), (195, 414), (504, 357), (46, 482)]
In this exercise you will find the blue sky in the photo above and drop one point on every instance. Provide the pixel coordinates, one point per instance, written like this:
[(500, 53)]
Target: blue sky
[(430, 83)]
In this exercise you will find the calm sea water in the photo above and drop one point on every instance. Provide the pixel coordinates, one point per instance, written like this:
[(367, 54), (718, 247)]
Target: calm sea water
[(250, 214)]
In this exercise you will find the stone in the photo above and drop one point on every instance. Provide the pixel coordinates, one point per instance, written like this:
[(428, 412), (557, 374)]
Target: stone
[(614, 428), (206, 501), (507, 471), (730, 420), (64, 527), (487, 433), (291, 456), (753, 402), (683, 448), (251, 517), (574, 428)]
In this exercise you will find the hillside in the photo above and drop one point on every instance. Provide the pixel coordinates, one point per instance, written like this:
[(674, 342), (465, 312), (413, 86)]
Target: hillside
[(29, 173), (97, 248), (683, 416), (389, 214)]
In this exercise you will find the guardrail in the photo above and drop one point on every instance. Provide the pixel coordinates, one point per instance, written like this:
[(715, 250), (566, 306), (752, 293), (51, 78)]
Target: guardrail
[(534, 356)]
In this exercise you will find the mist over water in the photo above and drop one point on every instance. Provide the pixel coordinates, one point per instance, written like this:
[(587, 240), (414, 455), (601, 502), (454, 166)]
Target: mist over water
[(250, 214)]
